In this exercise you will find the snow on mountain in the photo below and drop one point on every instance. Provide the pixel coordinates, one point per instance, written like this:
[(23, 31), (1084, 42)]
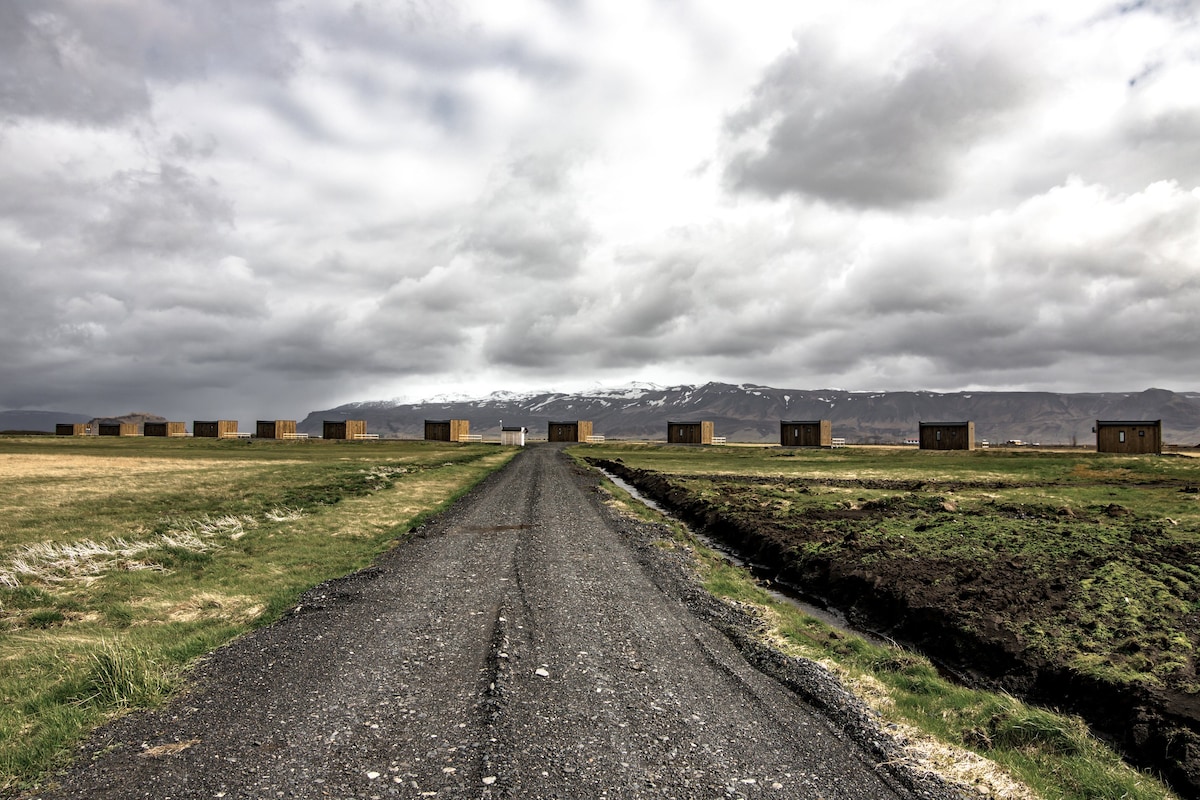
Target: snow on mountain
[(753, 412)]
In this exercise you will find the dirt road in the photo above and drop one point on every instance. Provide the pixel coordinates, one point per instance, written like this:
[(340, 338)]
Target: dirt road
[(523, 645)]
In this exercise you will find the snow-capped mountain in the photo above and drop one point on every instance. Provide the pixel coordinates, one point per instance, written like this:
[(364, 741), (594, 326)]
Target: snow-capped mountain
[(752, 413)]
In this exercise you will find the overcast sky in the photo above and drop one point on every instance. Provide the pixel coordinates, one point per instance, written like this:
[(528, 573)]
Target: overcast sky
[(258, 209)]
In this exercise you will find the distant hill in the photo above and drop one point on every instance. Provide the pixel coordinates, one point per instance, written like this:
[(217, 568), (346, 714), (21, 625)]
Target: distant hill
[(138, 418), (42, 421), (749, 413)]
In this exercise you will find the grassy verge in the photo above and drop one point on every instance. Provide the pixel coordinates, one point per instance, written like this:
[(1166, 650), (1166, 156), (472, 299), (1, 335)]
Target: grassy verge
[(1104, 549), (993, 743), (122, 561)]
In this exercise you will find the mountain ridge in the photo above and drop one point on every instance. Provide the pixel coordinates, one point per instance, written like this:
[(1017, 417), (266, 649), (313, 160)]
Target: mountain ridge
[(752, 413)]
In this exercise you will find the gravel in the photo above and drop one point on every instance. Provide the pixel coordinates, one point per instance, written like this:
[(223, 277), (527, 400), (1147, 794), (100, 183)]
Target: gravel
[(528, 643)]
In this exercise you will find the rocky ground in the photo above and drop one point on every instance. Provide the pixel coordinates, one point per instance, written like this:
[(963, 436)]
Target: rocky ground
[(529, 643)]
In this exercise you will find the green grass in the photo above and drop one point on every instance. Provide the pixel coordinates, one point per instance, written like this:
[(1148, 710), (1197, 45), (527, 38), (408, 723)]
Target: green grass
[(902, 463), (1111, 542), (121, 561), (1005, 506)]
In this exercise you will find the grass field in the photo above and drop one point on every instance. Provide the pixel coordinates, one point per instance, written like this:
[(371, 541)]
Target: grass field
[(123, 560), (1111, 541), (1114, 541)]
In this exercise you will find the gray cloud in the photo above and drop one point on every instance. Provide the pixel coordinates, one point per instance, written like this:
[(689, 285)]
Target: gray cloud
[(883, 137), (262, 208), (93, 62), (158, 212), (439, 38), (49, 67), (528, 224)]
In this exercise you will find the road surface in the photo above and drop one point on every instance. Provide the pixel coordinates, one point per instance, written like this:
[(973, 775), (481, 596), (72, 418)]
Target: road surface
[(521, 646)]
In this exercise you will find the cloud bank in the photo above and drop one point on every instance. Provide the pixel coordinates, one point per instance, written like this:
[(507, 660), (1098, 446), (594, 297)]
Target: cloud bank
[(254, 209)]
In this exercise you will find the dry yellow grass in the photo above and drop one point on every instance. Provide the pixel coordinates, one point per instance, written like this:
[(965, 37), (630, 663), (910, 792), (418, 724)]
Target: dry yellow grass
[(238, 608), (170, 749), (155, 552), (38, 486), (74, 466)]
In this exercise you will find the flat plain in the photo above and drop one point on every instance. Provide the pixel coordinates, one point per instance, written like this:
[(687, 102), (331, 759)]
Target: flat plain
[(123, 560)]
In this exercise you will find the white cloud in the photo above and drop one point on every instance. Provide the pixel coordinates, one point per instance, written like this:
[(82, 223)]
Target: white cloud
[(309, 203)]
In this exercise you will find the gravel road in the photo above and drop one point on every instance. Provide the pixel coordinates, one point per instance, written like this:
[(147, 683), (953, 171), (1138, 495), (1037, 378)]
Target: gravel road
[(528, 643)]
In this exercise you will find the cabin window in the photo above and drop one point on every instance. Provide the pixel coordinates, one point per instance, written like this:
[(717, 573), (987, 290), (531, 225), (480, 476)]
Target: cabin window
[(1121, 437), (938, 435), (1141, 433)]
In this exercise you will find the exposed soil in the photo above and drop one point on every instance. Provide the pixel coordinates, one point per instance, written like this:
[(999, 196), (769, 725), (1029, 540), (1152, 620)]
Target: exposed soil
[(961, 616)]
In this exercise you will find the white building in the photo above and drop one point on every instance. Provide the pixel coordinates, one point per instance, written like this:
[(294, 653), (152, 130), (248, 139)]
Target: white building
[(513, 436)]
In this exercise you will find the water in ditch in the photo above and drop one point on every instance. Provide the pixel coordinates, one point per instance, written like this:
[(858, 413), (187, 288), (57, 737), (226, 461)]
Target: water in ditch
[(780, 591)]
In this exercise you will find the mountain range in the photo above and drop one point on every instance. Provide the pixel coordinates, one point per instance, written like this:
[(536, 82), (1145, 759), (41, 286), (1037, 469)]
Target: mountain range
[(751, 413), (44, 421)]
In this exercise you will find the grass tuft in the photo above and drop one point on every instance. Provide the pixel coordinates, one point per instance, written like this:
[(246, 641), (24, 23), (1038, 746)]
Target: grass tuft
[(123, 676)]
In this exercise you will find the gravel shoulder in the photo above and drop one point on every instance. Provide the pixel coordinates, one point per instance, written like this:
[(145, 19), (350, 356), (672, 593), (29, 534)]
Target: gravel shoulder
[(527, 643)]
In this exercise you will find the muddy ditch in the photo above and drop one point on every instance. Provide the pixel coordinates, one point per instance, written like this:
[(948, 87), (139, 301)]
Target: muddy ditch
[(962, 619)]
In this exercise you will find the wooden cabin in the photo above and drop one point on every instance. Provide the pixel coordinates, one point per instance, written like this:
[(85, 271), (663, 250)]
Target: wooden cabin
[(447, 430), (215, 429), (275, 429), (577, 431), (344, 429), (806, 433), (164, 429), (71, 429), (1117, 436), (947, 436), (513, 435), (690, 432), (118, 429)]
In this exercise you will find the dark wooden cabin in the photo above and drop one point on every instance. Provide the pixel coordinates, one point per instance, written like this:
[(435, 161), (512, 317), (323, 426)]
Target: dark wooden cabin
[(577, 431), (947, 436), (690, 432), (164, 429), (806, 433), (1117, 436), (344, 429), (215, 429), (446, 430), (275, 429)]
